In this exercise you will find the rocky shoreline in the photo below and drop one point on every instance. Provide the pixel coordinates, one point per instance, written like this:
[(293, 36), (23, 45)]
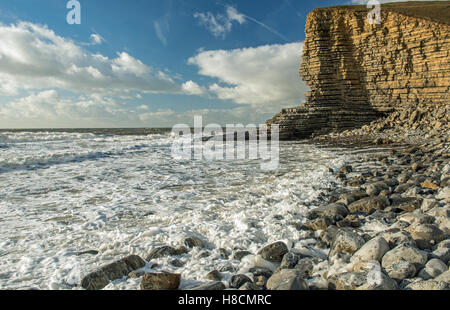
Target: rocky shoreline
[(386, 227)]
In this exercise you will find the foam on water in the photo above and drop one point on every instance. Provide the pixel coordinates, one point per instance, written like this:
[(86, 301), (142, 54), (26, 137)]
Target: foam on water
[(64, 193)]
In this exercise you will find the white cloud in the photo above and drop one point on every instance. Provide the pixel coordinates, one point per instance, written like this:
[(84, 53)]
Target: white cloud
[(193, 88), (220, 25), (34, 57), (96, 39), (265, 77)]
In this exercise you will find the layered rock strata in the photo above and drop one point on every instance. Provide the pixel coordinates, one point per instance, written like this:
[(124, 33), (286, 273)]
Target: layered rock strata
[(358, 72)]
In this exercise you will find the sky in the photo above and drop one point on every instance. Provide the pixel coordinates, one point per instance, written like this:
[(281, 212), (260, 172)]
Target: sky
[(150, 63)]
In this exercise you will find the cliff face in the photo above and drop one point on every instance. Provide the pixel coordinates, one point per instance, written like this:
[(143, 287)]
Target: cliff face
[(357, 71)]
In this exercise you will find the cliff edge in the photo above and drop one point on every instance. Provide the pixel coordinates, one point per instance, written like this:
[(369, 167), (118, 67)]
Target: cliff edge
[(358, 72)]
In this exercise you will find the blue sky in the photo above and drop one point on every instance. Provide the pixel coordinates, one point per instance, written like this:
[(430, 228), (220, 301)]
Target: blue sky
[(150, 63)]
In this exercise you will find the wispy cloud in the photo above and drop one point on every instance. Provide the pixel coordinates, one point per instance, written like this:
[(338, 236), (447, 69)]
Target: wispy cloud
[(220, 25), (162, 28)]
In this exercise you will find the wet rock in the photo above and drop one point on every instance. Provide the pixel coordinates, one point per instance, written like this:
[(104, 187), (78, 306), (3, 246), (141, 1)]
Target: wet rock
[(429, 185), (238, 280), (227, 267), (346, 242), (248, 286), (351, 220), (90, 252), (193, 241), (259, 271), (274, 252), (261, 281), (432, 269), (348, 198), (214, 275), (400, 189), (305, 266), (401, 270), (287, 279), (95, 280), (177, 263), (426, 235), (289, 261), (335, 211), (368, 204), (320, 223), (212, 286), (405, 252), (328, 235), (165, 251), (224, 253), (371, 250), (116, 270), (239, 255), (160, 281), (136, 274)]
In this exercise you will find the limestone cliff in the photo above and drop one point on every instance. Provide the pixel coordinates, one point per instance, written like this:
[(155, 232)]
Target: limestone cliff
[(358, 72)]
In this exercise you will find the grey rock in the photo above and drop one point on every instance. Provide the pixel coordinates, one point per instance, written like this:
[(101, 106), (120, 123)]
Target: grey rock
[(239, 255), (395, 237), (346, 242), (289, 261), (160, 281), (194, 241), (116, 270), (165, 251), (374, 189), (401, 270), (442, 253), (361, 281), (259, 271), (214, 275), (238, 280), (405, 252), (429, 285), (368, 204), (287, 279), (305, 266), (371, 250), (333, 211), (426, 235), (248, 286), (212, 286), (432, 269), (274, 252)]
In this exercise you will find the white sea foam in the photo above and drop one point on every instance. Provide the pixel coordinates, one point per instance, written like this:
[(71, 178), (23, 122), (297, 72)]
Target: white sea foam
[(63, 193)]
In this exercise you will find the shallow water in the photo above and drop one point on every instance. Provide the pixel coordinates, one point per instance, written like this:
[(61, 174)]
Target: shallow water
[(122, 193)]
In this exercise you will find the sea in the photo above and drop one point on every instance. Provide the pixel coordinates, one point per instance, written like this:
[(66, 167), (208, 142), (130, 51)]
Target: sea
[(72, 200)]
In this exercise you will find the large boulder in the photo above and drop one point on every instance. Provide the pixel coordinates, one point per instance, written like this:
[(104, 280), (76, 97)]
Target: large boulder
[(401, 270), (368, 204), (432, 269), (287, 279), (362, 281), (346, 242), (405, 252), (100, 278), (333, 211), (426, 235), (274, 252), (160, 281), (394, 237), (371, 250), (165, 251)]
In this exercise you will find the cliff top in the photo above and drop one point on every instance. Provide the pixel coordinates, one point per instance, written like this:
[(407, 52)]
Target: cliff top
[(438, 11)]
